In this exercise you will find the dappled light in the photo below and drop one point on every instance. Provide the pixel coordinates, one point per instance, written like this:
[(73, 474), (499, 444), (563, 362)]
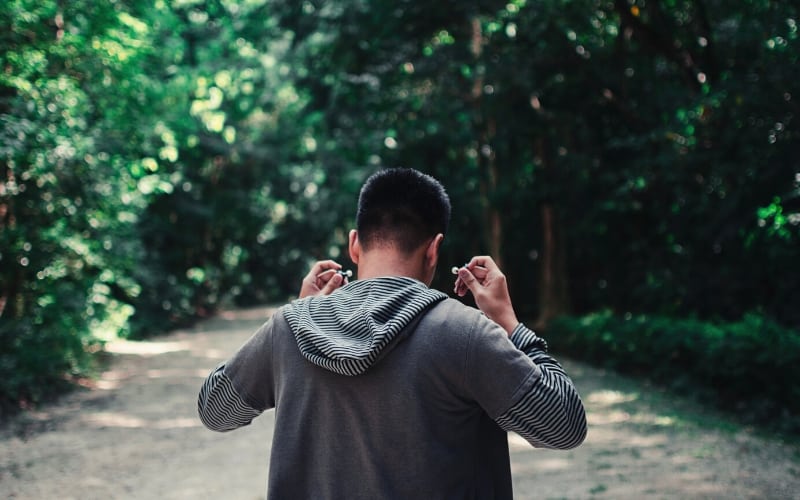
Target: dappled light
[(633, 165), (254, 313), (145, 348), (609, 398), (609, 407), (111, 419), (165, 160), (640, 443), (609, 417), (643, 444), (173, 373)]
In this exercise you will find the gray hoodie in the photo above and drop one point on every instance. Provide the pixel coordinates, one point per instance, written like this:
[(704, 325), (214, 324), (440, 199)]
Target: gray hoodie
[(388, 389)]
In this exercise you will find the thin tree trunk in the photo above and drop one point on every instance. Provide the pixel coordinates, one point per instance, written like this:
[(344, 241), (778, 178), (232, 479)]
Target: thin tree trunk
[(553, 281), (553, 289), (487, 159), (494, 220)]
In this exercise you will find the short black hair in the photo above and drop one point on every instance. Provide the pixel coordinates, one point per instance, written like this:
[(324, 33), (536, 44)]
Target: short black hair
[(401, 207)]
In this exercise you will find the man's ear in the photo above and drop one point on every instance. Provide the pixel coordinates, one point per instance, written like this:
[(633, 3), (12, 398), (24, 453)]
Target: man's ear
[(432, 252), (353, 246)]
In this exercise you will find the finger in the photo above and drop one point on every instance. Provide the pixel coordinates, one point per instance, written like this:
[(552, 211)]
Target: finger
[(468, 279), (321, 266), (324, 265), (480, 273), (315, 276), (325, 276), (483, 261), (459, 288), (309, 286), (332, 284)]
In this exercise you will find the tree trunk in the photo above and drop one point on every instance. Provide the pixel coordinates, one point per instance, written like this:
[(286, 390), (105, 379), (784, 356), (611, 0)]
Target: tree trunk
[(494, 222), (487, 159), (553, 281)]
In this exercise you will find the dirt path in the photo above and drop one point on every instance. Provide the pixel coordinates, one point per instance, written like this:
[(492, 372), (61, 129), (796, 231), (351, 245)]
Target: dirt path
[(136, 435)]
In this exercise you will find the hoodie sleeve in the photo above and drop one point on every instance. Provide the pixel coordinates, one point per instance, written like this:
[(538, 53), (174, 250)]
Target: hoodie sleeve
[(240, 389), (525, 390), (220, 406)]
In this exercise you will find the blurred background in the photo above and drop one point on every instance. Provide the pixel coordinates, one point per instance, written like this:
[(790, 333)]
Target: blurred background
[(632, 164)]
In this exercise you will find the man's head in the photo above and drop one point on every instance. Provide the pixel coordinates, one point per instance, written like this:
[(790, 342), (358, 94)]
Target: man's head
[(402, 208), (400, 224)]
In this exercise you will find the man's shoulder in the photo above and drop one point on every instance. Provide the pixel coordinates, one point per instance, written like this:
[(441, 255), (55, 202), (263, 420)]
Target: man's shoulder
[(453, 315), (451, 311)]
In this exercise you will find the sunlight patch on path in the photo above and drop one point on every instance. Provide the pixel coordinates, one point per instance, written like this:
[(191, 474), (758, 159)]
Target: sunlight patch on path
[(145, 348), (115, 419), (136, 435)]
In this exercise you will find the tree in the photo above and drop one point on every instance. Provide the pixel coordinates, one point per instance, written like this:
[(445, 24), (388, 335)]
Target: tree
[(621, 121), (69, 93)]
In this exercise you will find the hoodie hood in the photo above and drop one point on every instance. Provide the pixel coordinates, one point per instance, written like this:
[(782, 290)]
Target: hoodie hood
[(349, 330)]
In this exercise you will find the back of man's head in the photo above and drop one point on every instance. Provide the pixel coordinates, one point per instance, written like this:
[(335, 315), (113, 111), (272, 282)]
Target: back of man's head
[(402, 208)]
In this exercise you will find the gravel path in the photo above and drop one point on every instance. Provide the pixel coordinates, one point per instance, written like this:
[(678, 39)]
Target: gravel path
[(135, 435)]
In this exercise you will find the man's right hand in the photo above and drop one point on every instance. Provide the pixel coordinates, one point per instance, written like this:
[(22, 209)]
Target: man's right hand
[(322, 279), (488, 285)]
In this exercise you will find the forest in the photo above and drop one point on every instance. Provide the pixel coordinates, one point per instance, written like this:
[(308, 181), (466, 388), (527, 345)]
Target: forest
[(633, 165)]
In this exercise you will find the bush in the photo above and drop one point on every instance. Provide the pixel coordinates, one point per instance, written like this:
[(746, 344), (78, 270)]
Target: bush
[(44, 350), (750, 366)]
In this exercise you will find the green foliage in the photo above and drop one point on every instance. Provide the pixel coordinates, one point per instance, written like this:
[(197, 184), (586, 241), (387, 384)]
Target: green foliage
[(44, 352), (660, 135), (60, 186), (245, 200), (751, 367), (161, 159)]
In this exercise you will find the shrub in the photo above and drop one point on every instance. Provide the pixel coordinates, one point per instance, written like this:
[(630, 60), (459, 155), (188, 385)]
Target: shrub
[(45, 349), (751, 366)]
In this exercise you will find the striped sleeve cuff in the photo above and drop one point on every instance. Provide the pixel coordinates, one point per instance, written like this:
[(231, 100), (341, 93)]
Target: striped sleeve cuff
[(551, 414), (525, 339), (220, 407)]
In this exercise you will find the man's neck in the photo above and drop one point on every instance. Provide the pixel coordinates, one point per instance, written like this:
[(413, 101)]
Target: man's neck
[(381, 262)]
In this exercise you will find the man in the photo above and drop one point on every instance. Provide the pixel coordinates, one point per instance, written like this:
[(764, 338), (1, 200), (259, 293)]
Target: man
[(384, 388)]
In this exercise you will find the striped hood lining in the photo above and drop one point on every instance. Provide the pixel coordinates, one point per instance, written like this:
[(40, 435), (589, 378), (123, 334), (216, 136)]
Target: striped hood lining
[(349, 330)]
